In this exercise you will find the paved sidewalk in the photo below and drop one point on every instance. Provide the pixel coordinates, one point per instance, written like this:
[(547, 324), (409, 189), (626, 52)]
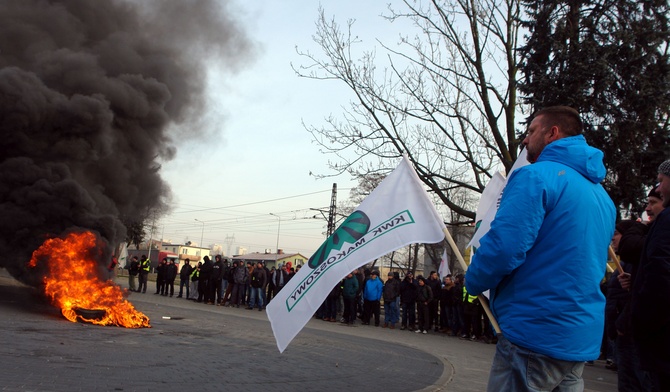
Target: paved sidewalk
[(195, 346)]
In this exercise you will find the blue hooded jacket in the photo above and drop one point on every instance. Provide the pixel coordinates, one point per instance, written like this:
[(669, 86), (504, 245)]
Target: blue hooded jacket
[(545, 254), (373, 289)]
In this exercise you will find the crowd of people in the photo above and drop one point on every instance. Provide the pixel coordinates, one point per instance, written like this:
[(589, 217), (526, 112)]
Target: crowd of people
[(414, 304), (213, 282)]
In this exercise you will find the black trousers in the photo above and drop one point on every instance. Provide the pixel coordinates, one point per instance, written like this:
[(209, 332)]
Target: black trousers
[(214, 290), (143, 283), (433, 318), (203, 290), (184, 283), (169, 286), (370, 308), (349, 310)]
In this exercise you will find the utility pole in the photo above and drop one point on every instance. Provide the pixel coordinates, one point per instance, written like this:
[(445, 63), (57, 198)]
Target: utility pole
[(229, 242), (202, 234), (332, 211)]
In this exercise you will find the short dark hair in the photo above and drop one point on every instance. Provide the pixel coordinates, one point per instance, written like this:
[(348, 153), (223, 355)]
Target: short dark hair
[(566, 118)]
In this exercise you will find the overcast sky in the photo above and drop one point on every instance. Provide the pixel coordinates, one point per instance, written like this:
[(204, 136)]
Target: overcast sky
[(258, 158)]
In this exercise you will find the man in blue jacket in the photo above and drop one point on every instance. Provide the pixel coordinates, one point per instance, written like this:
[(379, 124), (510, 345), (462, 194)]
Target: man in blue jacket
[(372, 294), (544, 257)]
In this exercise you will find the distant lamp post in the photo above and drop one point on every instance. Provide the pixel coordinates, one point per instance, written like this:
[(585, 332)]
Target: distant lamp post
[(278, 228), (202, 234)]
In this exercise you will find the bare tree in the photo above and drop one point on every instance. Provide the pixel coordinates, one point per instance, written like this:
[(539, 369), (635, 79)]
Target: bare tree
[(446, 96)]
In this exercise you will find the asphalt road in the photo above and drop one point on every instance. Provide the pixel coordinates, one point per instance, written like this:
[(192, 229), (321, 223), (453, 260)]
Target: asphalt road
[(195, 346)]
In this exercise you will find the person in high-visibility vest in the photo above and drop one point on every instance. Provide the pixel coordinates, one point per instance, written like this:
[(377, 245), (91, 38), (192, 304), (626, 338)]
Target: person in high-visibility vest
[(145, 267), (195, 277), (472, 313)]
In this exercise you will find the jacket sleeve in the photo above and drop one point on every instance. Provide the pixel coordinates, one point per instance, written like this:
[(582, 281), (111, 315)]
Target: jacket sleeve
[(632, 243), (513, 231), (651, 290)]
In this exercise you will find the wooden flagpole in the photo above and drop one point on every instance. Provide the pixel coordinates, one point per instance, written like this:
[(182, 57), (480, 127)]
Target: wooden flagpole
[(482, 299), (615, 259)]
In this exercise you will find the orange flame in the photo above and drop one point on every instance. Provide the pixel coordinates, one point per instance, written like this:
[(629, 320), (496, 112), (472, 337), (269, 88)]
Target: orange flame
[(73, 283)]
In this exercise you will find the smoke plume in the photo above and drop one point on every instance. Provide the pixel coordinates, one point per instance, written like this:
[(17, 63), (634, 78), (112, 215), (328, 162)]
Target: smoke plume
[(91, 93)]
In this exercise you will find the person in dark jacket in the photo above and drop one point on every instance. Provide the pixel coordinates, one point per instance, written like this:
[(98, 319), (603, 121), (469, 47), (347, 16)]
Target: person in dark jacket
[(459, 318), (629, 245), (271, 285), (160, 277), (408, 292), (435, 285), (423, 299), (330, 312), (170, 276), (447, 304), (225, 279), (240, 278), (616, 299), (231, 284), (390, 294), (349, 294), (257, 284), (362, 274), (280, 279), (650, 300), (133, 271), (215, 280), (203, 281), (185, 278), (264, 289)]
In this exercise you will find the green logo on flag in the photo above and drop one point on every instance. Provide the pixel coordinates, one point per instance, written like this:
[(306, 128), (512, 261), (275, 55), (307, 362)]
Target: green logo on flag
[(354, 234), (353, 228)]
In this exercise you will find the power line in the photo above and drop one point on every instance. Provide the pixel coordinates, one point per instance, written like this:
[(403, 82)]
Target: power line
[(253, 203)]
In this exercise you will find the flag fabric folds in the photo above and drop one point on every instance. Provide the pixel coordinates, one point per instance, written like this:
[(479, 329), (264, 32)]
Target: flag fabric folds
[(490, 200), (397, 213), (123, 255), (444, 265)]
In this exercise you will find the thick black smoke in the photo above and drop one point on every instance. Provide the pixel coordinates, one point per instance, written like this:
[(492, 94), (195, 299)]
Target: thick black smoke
[(89, 93)]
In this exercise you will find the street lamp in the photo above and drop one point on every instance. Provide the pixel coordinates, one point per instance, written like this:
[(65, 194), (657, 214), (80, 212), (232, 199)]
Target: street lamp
[(202, 234), (278, 227)]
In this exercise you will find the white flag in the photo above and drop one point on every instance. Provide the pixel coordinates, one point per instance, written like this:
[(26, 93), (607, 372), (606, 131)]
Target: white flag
[(490, 200), (123, 255), (397, 213), (444, 265)]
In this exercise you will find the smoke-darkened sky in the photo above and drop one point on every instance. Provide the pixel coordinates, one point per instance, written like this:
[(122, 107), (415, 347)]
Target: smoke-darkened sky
[(89, 93)]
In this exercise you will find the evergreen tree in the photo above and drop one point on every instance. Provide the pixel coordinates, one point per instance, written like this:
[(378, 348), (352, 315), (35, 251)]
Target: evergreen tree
[(609, 60)]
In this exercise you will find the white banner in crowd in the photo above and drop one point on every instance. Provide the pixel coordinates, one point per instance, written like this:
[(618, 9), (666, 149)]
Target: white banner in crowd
[(444, 266), (397, 213), (490, 200), (123, 255)]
